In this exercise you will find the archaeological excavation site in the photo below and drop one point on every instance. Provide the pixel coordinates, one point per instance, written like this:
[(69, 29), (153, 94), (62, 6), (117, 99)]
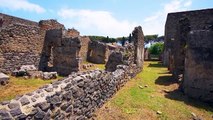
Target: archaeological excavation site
[(50, 72)]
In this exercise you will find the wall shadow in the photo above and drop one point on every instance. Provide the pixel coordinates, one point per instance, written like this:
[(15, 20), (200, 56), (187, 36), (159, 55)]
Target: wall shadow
[(159, 64), (165, 80), (180, 96)]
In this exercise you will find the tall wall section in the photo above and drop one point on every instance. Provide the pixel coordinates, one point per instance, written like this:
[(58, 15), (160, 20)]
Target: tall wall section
[(21, 41), (198, 75), (197, 20), (188, 51)]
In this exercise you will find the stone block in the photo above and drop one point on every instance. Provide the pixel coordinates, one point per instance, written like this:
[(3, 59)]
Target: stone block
[(4, 79)]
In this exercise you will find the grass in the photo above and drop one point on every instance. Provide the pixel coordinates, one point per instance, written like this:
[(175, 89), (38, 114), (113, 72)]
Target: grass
[(20, 86), (96, 66), (133, 102)]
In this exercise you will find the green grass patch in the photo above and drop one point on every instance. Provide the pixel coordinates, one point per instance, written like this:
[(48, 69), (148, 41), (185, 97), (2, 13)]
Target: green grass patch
[(132, 99), (20, 86)]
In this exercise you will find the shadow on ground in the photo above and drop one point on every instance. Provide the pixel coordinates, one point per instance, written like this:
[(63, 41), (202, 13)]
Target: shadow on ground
[(179, 96), (165, 80), (159, 64)]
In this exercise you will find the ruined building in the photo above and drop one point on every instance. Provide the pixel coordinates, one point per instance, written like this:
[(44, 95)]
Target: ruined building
[(81, 93), (24, 42), (131, 55), (188, 51)]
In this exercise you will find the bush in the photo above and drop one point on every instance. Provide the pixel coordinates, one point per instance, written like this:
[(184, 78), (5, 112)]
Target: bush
[(156, 49)]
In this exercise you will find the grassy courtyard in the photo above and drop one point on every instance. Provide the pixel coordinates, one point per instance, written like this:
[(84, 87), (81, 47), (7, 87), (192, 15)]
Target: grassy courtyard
[(20, 86), (153, 95)]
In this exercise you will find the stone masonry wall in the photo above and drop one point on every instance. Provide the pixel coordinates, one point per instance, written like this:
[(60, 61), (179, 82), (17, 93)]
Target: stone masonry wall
[(21, 41), (64, 51), (19, 45), (199, 19), (198, 75), (75, 97), (188, 51), (98, 52), (7, 20), (84, 47), (176, 36), (138, 39)]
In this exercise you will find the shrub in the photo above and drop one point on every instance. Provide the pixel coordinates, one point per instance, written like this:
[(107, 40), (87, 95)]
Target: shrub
[(156, 48)]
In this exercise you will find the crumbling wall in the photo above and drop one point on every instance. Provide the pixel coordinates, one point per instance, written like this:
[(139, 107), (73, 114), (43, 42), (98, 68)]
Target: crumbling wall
[(183, 29), (19, 45), (84, 47), (175, 35), (73, 33), (98, 52), (21, 41), (78, 95), (198, 75), (75, 97), (187, 49), (7, 20), (131, 54), (66, 58), (138, 40), (146, 54), (65, 52)]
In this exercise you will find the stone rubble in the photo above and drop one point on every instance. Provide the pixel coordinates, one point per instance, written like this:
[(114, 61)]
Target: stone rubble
[(4, 79)]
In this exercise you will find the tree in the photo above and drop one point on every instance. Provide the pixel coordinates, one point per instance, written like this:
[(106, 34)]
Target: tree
[(130, 38), (150, 38), (123, 41), (157, 48)]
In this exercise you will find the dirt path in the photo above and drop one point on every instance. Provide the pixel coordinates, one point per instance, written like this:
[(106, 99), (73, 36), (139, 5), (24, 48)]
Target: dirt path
[(153, 95)]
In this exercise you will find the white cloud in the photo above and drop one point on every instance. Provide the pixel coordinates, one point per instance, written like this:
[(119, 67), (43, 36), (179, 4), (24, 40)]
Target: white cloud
[(155, 24), (188, 3), (21, 5), (95, 22)]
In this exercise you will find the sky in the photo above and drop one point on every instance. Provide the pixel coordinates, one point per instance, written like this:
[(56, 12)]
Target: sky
[(113, 18)]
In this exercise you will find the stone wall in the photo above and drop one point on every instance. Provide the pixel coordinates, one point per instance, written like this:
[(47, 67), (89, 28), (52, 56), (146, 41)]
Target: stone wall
[(146, 54), (7, 20), (198, 75), (75, 97), (138, 40), (175, 36), (187, 52), (19, 45), (21, 41), (98, 52), (64, 51), (73, 33), (84, 47), (78, 95)]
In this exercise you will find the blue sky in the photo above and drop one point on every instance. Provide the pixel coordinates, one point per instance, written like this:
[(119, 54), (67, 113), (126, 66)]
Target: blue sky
[(112, 18)]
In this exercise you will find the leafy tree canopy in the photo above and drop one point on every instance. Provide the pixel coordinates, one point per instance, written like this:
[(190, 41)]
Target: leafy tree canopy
[(156, 48), (103, 39)]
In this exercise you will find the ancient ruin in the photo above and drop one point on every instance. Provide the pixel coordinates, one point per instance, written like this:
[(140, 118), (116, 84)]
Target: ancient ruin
[(187, 51), (98, 52), (50, 47), (46, 49)]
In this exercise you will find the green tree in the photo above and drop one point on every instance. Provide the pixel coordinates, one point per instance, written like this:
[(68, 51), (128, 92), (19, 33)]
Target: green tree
[(150, 38), (123, 41), (157, 48), (130, 38)]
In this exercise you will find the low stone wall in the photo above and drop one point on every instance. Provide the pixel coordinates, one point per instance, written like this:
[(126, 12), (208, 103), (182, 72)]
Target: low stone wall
[(75, 97)]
